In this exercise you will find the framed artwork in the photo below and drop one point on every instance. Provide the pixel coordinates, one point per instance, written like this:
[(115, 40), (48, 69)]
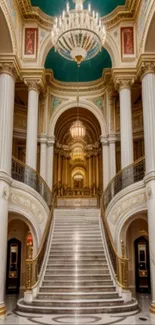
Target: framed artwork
[(31, 42), (127, 42)]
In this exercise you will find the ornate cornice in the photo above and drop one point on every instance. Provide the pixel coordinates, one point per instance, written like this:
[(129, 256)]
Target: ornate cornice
[(126, 12), (146, 64), (94, 88)]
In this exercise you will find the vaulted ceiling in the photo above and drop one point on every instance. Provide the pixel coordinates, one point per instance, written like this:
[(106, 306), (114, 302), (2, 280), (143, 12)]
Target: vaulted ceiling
[(65, 70)]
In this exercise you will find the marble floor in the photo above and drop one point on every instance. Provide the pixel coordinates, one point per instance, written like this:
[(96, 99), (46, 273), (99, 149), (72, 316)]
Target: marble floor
[(143, 316)]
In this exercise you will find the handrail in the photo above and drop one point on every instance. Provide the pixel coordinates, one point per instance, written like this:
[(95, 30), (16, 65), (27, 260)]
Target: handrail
[(33, 265), (127, 176), (29, 176)]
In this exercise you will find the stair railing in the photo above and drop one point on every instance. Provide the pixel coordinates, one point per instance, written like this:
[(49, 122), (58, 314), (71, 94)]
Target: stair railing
[(27, 175), (127, 176), (33, 265)]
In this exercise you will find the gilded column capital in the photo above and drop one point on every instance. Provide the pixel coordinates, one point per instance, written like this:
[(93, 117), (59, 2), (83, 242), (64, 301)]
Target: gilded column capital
[(9, 68), (34, 84), (146, 68), (123, 83)]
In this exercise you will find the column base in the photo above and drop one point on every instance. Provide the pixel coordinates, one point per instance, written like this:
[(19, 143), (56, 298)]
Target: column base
[(152, 308), (2, 312)]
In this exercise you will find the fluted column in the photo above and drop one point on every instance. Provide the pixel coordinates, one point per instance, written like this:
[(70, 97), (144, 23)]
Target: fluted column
[(148, 97), (124, 87), (112, 157), (105, 161), (32, 122), (50, 160), (43, 156), (7, 91)]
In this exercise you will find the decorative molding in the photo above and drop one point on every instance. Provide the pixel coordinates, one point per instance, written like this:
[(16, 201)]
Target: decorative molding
[(126, 12), (6, 193), (21, 199), (145, 65)]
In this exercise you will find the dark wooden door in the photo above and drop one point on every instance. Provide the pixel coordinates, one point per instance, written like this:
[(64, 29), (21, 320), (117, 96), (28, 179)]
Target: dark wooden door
[(13, 266), (142, 265)]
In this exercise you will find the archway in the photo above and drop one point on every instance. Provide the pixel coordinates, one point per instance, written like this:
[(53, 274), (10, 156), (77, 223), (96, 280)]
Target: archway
[(135, 229), (80, 157), (6, 45), (18, 244), (149, 45)]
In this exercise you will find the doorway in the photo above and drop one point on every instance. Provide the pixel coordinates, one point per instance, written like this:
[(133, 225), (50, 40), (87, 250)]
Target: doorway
[(13, 266), (142, 265)]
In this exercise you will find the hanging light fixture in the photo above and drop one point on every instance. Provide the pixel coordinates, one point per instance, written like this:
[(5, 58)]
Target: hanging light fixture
[(78, 34)]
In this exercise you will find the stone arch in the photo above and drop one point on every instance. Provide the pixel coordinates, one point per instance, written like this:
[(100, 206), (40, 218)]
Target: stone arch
[(19, 213), (148, 44), (83, 104), (109, 45), (125, 222), (7, 35)]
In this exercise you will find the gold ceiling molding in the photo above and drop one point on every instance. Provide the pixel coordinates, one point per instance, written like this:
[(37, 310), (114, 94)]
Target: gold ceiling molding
[(126, 12), (93, 88)]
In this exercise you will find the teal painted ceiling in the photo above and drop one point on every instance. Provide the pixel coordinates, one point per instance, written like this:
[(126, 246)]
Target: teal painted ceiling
[(63, 69), (55, 7)]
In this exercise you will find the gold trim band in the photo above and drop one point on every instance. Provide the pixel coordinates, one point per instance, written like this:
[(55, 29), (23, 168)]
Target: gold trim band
[(152, 309), (2, 310)]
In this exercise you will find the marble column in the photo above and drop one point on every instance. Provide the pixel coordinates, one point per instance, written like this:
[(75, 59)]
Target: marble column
[(148, 97), (112, 157), (50, 161), (97, 171), (105, 161), (32, 122), (7, 91), (126, 133), (43, 156)]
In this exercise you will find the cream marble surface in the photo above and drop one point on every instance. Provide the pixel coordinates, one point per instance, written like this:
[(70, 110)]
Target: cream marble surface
[(141, 317)]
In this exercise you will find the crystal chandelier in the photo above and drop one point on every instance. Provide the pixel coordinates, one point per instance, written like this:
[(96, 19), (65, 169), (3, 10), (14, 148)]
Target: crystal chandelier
[(77, 129), (78, 34)]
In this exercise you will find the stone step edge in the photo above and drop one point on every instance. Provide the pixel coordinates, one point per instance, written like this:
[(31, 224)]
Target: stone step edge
[(77, 293)]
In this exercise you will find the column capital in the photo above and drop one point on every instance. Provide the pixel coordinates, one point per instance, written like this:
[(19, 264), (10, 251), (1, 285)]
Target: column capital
[(104, 140), (123, 78), (123, 83), (112, 138), (146, 68), (43, 138), (9, 68), (34, 84), (51, 141)]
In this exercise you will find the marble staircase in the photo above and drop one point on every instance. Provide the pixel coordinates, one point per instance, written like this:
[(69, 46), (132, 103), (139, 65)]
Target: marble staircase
[(77, 278)]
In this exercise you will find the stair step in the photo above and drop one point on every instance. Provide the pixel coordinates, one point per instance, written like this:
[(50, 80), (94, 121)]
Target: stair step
[(77, 295), (78, 303), (80, 266), (79, 277), (78, 258), (72, 288), (79, 282), (77, 272)]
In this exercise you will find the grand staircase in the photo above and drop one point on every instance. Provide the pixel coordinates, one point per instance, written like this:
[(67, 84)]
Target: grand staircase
[(77, 278)]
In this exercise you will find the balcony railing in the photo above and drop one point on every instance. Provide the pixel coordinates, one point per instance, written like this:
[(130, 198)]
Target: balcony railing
[(27, 175), (126, 177), (34, 265)]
